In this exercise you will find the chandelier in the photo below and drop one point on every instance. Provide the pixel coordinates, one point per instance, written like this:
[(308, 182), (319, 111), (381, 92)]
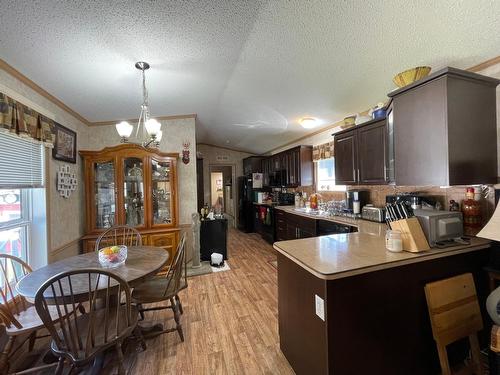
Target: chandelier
[(149, 128)]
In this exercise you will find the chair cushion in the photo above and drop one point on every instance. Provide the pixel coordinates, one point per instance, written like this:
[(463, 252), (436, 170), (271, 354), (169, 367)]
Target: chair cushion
[(154, 290)]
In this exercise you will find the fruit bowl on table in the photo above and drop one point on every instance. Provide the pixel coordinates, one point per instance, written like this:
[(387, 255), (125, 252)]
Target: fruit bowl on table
[(112, 256)]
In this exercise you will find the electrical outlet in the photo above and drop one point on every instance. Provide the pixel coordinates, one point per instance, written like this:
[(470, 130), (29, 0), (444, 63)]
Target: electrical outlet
[(320, 307)]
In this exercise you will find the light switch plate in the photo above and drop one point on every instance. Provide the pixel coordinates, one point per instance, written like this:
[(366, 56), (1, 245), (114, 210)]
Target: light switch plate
[(320, 307)]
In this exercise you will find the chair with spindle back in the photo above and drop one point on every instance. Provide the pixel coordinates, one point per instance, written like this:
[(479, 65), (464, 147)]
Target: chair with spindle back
[(119, 235), (165, 288), (19, 316), (82, 336)]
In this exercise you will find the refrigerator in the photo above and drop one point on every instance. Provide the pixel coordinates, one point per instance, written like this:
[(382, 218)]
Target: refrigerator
[(245, 203)]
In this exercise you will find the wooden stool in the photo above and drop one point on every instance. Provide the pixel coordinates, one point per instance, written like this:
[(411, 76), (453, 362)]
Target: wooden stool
[(455, 314)]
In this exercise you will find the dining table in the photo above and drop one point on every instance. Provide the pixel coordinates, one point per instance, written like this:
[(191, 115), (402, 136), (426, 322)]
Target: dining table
[(142, 262)]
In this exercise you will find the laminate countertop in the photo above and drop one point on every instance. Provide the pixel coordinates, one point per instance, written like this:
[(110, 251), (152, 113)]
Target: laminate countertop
[(347, 254)]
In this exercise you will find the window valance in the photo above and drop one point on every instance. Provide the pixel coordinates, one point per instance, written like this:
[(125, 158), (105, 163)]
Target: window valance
[(323, 151), (19, 119)]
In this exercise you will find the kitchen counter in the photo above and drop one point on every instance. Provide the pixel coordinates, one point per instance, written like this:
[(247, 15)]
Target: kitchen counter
[(362, 226), (346, 305), (341, 255)]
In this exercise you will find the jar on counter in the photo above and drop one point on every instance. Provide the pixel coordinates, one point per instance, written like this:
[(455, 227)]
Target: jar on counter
[(471, 209), (393, 241)]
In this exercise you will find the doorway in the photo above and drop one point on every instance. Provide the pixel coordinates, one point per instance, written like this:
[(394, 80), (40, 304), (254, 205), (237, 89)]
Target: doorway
[(222, 193)]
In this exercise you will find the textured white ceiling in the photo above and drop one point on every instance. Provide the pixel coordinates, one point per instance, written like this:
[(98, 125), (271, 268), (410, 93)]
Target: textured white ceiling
[(249, 69)]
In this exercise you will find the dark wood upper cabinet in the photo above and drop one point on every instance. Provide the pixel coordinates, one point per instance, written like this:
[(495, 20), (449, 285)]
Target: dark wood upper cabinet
[(346, 158), (290, 168), (252, 164), (445, 130), (372, 153)]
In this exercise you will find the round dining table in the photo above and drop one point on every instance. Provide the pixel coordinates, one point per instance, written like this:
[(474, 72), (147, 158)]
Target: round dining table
[(142, 262)]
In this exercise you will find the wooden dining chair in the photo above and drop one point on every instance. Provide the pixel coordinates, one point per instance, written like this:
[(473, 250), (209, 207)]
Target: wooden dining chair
[(81, 337), (455, 314), (165, 288), (119, 235), (19, 317)]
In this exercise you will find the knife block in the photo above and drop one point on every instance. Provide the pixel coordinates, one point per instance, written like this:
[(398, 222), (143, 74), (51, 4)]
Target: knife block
[(413, 236)]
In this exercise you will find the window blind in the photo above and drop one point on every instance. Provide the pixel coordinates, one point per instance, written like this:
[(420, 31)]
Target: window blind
[(21, 162)]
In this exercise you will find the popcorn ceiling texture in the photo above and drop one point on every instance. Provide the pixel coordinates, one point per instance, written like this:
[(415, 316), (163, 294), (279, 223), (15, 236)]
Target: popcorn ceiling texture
[(260, 63)]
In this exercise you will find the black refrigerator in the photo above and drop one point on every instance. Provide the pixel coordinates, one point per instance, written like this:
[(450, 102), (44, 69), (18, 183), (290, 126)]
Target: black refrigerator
[(245, 204)]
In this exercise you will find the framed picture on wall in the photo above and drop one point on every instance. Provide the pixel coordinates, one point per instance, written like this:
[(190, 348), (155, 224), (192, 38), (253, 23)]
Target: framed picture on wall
[(65, 145)]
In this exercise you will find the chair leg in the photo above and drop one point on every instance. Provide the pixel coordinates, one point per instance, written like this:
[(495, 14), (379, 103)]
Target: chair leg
[(4, 356), (138, 334), (443, 359), (121, 368), (141, 313), (177, 318), (476, 354), (60, 366), (178, 300), (31, 342), (72, 370)]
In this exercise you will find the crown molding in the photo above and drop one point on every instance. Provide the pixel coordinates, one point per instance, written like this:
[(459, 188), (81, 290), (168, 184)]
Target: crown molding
[(39, 90), (28, 82), (474, 69), (159, 118), (226, 148), (484, 64)]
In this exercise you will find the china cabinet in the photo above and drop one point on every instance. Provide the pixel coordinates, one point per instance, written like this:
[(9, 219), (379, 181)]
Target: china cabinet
[(132, 185)]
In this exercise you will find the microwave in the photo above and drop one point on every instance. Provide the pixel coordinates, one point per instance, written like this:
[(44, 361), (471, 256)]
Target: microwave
[(440, 226)]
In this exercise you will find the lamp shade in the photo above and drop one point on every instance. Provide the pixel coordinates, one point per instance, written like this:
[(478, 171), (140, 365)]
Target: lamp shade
[(124, 129), (158, 136), (153, 127), (491, 230)]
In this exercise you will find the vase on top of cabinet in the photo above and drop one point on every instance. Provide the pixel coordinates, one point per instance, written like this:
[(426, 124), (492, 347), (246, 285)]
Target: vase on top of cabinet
[(132, 185)]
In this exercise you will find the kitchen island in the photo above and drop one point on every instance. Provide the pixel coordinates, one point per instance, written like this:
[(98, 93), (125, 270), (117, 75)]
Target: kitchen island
[(348, 306)]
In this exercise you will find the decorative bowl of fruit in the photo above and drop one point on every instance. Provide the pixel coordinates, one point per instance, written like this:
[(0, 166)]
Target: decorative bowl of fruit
[(112, 256)]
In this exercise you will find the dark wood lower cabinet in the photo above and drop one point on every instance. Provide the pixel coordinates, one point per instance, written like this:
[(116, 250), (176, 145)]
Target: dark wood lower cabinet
[(376, 323), (292, 227)]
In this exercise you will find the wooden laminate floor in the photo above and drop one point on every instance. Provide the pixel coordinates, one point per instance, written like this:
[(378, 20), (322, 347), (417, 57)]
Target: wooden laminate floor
[(230, 320)]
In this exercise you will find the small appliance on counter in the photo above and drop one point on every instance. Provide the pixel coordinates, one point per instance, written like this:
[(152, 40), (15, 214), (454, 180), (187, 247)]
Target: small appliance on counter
[(442, 228), (356, 200), (372, 213), (413, 200), (286, 199)]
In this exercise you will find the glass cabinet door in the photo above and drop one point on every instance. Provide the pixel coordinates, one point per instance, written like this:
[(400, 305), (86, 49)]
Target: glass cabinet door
[(133, 191), (161, 180), (104, 190)]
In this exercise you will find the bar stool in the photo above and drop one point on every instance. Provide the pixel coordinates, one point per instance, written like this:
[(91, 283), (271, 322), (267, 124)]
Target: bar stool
[(455, 314)]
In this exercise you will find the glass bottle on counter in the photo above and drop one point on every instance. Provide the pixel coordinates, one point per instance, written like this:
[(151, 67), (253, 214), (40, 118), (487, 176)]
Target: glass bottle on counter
[(471, 210)]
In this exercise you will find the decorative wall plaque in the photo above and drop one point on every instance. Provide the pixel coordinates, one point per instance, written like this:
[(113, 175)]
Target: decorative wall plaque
[(66, 181)]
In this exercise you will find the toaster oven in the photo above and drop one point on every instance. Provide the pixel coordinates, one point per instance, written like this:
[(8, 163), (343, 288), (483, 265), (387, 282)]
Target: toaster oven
[(440, 226)]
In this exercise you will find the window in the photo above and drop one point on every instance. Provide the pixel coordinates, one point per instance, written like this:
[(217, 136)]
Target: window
[(14, 222), (23, 231), (325, 176)]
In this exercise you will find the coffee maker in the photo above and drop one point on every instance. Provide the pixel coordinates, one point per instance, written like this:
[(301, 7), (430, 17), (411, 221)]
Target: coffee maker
[(361, 196)]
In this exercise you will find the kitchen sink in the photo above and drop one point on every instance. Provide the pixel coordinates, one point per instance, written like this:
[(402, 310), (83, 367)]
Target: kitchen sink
[(312, 212)]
